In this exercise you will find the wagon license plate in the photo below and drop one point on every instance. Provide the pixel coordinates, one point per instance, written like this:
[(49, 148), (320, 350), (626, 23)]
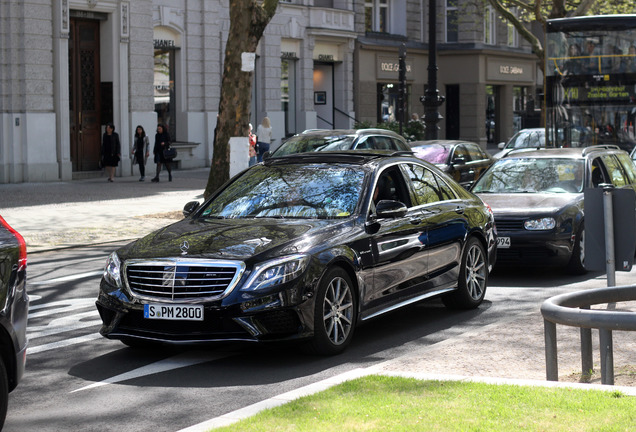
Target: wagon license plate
[(503, 242), (174, 312)]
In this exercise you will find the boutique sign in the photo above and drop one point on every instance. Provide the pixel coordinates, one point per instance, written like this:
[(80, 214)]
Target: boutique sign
[(389, 68)]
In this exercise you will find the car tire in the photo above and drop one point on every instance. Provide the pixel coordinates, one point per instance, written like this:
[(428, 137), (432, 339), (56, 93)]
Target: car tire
[(335, 314), (4, 392), (576, 265), (473, 278)]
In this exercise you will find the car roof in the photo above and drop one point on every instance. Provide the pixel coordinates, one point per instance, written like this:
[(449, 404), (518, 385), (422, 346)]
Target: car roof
[(355, 157), (444, 143), (356, 132), (569, 152)]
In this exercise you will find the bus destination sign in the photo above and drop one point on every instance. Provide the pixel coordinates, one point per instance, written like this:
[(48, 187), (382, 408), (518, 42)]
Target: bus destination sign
[(599, 93)]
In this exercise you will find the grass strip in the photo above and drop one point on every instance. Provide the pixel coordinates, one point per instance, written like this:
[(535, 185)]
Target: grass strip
[(382, 403)]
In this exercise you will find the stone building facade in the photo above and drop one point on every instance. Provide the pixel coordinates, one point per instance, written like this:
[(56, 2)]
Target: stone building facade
[(68, 67)]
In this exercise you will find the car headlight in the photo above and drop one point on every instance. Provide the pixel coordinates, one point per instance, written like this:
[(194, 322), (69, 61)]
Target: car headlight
[(276, 272), (112, 271), (540, 224)]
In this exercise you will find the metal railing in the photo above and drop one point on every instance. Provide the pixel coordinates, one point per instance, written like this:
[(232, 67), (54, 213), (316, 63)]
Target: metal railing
[(573, 309)]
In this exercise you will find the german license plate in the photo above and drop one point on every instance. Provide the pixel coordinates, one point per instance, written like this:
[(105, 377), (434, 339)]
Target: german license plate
[(174, 312), (503, 242)]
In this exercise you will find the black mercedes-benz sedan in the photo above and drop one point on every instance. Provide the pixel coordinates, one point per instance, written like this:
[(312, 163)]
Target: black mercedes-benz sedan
[(14, 308), (302, 247)]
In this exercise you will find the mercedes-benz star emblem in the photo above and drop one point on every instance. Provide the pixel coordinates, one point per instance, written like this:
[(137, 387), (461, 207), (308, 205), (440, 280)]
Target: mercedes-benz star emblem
[(184, 247)]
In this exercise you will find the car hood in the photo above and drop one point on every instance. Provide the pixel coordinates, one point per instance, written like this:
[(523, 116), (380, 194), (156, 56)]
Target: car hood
[(233, 239), (528, 203)]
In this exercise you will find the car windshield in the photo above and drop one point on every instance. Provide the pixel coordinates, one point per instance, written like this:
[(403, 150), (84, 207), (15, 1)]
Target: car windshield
[(308, 143), (316, 191), (529, 175), (432, 153), (527, 139)]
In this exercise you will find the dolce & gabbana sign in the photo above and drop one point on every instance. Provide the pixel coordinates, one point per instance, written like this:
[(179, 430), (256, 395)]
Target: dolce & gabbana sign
[(507, 70), (389, 67)]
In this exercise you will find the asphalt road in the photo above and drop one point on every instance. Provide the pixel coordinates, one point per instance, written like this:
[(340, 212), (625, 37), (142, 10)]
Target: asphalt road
[(77, 380)]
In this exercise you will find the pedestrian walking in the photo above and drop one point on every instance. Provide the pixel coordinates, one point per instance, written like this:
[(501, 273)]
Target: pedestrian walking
[(141, 151), (111, 151), (162, 144), (253, 147), (263, 137)]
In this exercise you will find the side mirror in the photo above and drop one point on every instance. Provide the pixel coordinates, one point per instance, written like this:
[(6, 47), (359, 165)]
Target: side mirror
[(266, 155), (390, 209), (190, 207), (501, 145)]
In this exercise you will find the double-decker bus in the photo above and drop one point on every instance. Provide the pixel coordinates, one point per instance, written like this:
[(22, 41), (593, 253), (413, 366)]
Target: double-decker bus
[(590, 72)]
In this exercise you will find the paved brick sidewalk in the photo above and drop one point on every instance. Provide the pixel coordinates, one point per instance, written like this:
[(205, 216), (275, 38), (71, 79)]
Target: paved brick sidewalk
[(62, 214)]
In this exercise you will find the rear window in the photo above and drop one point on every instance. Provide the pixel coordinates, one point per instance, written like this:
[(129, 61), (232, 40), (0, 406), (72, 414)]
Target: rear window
[(432, 153)]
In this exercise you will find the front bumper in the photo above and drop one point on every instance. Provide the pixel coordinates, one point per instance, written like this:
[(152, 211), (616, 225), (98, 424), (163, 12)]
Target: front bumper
[(276, 316), (536, 249)]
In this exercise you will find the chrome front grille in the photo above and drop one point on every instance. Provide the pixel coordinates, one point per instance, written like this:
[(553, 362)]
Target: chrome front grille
[(181, 280)]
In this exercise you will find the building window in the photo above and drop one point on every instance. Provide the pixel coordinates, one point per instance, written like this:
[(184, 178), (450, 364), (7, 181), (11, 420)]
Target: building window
[(513, 35), (490, 26), (288, 95), (165, 89), (452, 27), (376, 16)]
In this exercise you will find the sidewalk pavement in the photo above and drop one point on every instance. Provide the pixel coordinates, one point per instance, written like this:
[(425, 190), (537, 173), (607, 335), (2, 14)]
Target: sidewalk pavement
[(80, 212)]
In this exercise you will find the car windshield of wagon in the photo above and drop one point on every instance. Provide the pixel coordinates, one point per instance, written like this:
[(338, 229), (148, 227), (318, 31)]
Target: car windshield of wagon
[(530, 175), (527, 139), (434, 154), (317, 191), (308, 143)]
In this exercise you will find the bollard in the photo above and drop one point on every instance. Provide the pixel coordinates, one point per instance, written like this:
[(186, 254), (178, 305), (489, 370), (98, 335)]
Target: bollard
[(551, 362)]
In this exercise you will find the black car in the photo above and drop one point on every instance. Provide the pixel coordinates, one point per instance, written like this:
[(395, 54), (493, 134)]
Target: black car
[(302, 247), (14, 308), (464, 161), (537, 199), (320, 140)]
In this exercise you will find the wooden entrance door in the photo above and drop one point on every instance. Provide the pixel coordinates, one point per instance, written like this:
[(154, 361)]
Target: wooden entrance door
[(84, 94)]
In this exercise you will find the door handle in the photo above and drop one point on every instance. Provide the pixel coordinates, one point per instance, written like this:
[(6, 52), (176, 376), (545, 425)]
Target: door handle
[(459, 210), (416, 221)]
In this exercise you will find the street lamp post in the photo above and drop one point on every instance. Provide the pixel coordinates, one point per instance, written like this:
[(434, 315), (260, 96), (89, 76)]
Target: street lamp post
[(402, 85), (431, 99)]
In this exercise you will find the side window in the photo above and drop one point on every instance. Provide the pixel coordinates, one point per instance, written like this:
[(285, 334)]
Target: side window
[(628, 166), (598, 173), (365, 143), (476, 153), (426, 186), (384, 143), (461, 152), (391, 186), (615, 171)]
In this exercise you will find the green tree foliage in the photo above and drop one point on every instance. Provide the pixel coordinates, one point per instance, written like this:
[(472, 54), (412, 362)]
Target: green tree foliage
[(248, 19)]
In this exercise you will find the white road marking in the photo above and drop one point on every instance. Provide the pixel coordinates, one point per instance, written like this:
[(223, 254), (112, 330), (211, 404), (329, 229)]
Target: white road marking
[(62, 343), (176, 362), (68, 278), (67, 323), (60, 306)]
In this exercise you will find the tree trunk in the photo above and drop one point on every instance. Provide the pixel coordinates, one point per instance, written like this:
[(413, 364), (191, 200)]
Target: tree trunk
[(248, 20)]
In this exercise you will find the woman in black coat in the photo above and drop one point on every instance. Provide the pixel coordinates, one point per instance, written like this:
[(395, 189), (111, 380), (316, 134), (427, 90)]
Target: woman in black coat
[(162, 142), (111, 151)]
